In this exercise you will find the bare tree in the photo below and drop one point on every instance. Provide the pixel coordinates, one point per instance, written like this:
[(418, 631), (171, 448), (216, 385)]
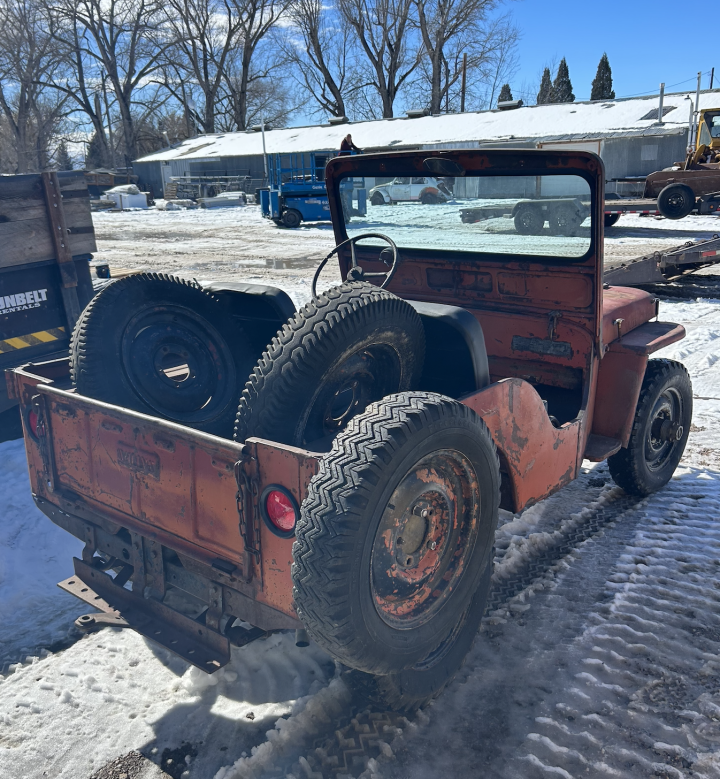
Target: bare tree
[(206, 35), (255, 20), (499, 68), (451, 28), (385, 35), (124, 41), (319, 46), (27, 55)]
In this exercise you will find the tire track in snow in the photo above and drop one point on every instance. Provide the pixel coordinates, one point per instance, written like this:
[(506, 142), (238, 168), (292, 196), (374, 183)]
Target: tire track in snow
[(643, 695), (310, 744)]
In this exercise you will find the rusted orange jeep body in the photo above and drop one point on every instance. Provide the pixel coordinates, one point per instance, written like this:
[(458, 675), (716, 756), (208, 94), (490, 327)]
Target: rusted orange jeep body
[(182, 508)]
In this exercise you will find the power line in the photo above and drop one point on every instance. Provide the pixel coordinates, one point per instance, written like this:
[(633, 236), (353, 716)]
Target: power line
[(649, 92), (667, 86)]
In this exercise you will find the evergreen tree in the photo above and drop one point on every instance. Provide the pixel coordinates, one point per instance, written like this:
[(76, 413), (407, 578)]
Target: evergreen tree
[(543, 95), (95, 156), (505, 94), (602, 86), (562, 88), (64, 160)]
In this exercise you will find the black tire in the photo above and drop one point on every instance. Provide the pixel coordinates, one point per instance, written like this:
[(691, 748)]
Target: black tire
[(100, 284), (410, 690), (377, 199), (564, 220), (611, 219), (676, 201), (659, 432), (396, 531), (529, 220), (158, 344), (291, 218), (348, 347), (429, 199)]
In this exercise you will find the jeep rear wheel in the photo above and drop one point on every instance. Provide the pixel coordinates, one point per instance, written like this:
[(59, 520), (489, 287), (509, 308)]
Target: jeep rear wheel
[(414, 688), (660, 430), (396, 532), (348, 347)]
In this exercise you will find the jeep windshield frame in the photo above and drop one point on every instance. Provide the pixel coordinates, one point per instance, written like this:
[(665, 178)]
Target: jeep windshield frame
[(527, 270), (481, 164)]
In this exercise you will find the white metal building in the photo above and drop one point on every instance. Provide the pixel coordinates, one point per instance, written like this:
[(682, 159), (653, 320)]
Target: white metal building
[(626, 133)]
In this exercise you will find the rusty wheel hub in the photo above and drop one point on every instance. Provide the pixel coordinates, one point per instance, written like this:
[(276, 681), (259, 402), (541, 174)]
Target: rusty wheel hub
[(426, 534), (665, 429)]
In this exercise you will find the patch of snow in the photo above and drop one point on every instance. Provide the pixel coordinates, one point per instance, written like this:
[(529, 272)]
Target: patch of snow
[(35, 555)]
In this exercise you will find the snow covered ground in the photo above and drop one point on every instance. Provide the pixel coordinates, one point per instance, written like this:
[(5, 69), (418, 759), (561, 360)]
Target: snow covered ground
[(607, 664), (237, 243)]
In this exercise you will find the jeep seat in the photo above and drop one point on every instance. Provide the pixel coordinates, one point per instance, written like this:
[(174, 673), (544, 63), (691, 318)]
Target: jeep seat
[(456, 361)]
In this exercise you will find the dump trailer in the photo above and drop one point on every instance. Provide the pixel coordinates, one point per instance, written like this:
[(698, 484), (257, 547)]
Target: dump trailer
[(47, 236)]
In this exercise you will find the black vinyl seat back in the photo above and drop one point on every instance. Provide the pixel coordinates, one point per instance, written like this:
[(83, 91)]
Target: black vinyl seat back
[(456, 361)]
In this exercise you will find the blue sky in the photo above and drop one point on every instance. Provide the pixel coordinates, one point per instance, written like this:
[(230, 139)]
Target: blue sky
[(644, 42)]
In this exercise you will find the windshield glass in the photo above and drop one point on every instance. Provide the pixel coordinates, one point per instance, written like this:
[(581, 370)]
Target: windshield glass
[(715, 126), (528, 215)]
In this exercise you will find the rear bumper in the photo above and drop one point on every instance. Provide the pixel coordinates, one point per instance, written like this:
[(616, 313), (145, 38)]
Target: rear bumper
[(159, 574)]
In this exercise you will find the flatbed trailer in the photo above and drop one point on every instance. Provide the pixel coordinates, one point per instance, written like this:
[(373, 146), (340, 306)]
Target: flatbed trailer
[(660, 267), (565, 215)]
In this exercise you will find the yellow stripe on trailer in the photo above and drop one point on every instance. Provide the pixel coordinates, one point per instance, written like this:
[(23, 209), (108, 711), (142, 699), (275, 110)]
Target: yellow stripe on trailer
[(32, 339)]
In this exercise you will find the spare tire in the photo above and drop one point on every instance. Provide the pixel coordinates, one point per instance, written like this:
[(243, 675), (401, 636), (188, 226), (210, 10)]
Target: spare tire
[(348, 347), (159, 344)]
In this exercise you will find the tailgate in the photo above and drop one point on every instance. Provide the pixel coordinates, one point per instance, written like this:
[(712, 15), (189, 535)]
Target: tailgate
[(128, 466), (165, 481)]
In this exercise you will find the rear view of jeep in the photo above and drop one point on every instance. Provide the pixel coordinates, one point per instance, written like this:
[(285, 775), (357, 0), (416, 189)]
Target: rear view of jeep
[(235, 466)]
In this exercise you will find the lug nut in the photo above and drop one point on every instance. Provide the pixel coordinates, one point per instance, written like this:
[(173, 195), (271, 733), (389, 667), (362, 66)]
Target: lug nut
[(432, 546)]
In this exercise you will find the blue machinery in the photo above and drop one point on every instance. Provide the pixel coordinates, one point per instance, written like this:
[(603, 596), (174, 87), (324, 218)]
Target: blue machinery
[(297, 190)]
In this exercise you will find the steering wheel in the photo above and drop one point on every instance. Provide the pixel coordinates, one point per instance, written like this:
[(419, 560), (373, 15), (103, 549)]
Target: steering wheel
[(356, 273)]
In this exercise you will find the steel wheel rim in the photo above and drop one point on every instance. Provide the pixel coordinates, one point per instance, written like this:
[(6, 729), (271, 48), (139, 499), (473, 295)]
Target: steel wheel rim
[(362, 378), (528, 219), (177, 363), (664, 430), (425, 537)]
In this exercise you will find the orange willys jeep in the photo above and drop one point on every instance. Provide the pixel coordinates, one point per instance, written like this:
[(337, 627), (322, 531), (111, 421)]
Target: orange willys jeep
[(353, 496)]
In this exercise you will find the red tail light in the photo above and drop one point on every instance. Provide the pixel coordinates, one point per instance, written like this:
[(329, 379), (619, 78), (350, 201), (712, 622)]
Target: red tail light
[(279, 510), (32, 418)]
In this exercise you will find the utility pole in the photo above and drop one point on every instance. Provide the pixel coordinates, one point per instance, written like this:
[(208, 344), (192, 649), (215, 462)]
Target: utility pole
[(660, 106), (464, 83), (107, 114), (447, 87), (265, 159), (712, 77)]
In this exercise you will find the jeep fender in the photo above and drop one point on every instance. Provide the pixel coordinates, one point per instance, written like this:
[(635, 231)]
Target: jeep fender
[(620, 377)]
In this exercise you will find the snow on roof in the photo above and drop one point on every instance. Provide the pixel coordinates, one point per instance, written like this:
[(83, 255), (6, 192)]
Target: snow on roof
[(598, 119)]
